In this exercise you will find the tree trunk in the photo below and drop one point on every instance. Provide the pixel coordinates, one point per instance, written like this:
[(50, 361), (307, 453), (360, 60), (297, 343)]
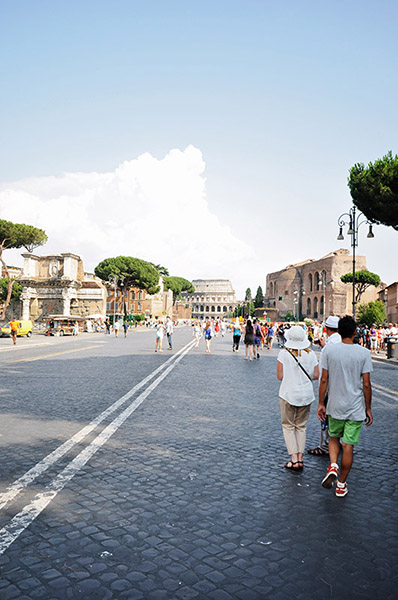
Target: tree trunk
[(9, 291)]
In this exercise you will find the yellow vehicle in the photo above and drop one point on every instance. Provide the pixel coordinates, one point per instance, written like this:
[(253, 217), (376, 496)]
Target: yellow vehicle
[(63, 324), (25, 328)]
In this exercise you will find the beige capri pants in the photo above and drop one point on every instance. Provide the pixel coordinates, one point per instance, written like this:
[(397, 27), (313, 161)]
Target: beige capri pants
[(294, 422)]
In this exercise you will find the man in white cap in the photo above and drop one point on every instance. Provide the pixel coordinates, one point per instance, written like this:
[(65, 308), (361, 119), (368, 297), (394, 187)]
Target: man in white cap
[(331, 325)]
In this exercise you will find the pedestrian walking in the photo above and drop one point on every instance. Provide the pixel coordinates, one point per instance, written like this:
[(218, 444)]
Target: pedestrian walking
[(197, 333), (333, 337), (116, 327), (346, 369), (208, 336), (76, 328), (270, 337), (14, 326), (237, 333), (107, 327), (249, 340), (297, 367), (256, 338), (159, 336), (125, 328), (169, 332)]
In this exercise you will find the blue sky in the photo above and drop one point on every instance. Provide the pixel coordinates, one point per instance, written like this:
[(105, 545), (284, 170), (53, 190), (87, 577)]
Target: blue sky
[(280, 98)]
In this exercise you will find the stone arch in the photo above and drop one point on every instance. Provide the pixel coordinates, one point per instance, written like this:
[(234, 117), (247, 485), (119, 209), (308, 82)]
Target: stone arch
[(213, 309), (224, 309), (308, 306), (202, 308), (310, 286), (316, 281), (218, 308)]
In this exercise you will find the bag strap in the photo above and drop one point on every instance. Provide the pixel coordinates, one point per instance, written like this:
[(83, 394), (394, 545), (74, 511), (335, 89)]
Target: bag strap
[(299, 363)]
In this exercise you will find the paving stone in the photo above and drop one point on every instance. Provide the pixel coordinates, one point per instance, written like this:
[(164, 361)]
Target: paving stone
[(189, 498)]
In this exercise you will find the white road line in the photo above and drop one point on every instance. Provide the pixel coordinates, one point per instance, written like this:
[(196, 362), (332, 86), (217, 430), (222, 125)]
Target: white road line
[(24, 347), (15, 488), (377, 391), (383, 402), (29, 513), (385, 389)]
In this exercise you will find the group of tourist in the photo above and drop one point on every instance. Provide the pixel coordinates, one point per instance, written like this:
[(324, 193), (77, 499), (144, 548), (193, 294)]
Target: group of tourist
[(344, 401), (343, 371)]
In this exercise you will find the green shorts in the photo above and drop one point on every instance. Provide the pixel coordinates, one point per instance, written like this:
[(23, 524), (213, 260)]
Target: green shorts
[(348, 431)]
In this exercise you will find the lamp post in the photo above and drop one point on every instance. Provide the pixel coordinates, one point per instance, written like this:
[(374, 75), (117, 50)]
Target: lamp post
[(354, 224), (113, 279)]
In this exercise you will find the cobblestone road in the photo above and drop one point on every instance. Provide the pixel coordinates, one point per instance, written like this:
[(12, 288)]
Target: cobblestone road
[(188, 498)]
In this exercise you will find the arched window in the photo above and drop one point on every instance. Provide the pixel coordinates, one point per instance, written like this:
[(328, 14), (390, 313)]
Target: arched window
[(315, 307), (213, 309), (322, 306), (224, 309), (271, 289), (133, 295), (230, 309), (308, 306), (317, 281), (310, 282), (219, 308), (201, 308), (207, 309)]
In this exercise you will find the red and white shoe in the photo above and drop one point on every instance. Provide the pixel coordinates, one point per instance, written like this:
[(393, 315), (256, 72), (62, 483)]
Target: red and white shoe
[(341, 489), (331, 476)]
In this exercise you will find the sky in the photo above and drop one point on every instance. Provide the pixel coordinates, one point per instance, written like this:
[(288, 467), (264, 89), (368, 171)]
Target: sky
[(214, 137)]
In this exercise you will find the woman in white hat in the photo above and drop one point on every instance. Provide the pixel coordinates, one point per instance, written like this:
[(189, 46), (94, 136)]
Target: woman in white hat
[(296, 368)]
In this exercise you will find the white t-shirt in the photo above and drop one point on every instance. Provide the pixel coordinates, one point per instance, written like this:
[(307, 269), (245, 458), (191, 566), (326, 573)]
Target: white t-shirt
[(346, 363), (296, 388), (335, 338)]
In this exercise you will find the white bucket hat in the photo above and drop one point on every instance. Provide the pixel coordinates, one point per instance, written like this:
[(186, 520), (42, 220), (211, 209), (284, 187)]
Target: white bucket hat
[(332, 322), (296, 338)]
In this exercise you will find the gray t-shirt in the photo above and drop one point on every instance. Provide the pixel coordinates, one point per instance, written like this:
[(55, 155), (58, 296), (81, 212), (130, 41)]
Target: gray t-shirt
[(346, 363)]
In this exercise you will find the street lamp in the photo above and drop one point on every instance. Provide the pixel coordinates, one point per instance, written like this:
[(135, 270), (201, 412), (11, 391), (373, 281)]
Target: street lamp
[(113, 279), (354, 224)]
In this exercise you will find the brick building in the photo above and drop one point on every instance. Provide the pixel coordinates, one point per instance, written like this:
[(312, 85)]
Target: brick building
[(389, 295), (313, 288)]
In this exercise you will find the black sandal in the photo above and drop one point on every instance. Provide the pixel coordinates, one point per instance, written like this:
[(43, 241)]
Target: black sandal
[(290, 465), (318, 451)]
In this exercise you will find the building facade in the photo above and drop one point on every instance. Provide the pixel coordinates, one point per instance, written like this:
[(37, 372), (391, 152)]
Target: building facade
[(122, 301), (389, 296), (211, 298), (313, 288), (57, 284)]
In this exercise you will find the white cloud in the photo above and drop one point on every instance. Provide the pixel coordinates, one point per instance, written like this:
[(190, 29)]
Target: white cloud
[(149, 208)]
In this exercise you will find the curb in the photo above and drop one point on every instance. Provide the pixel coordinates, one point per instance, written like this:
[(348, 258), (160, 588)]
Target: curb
[(388, 361)]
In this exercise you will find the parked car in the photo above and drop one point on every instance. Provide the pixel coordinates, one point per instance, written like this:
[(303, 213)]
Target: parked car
[(25, 328)]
